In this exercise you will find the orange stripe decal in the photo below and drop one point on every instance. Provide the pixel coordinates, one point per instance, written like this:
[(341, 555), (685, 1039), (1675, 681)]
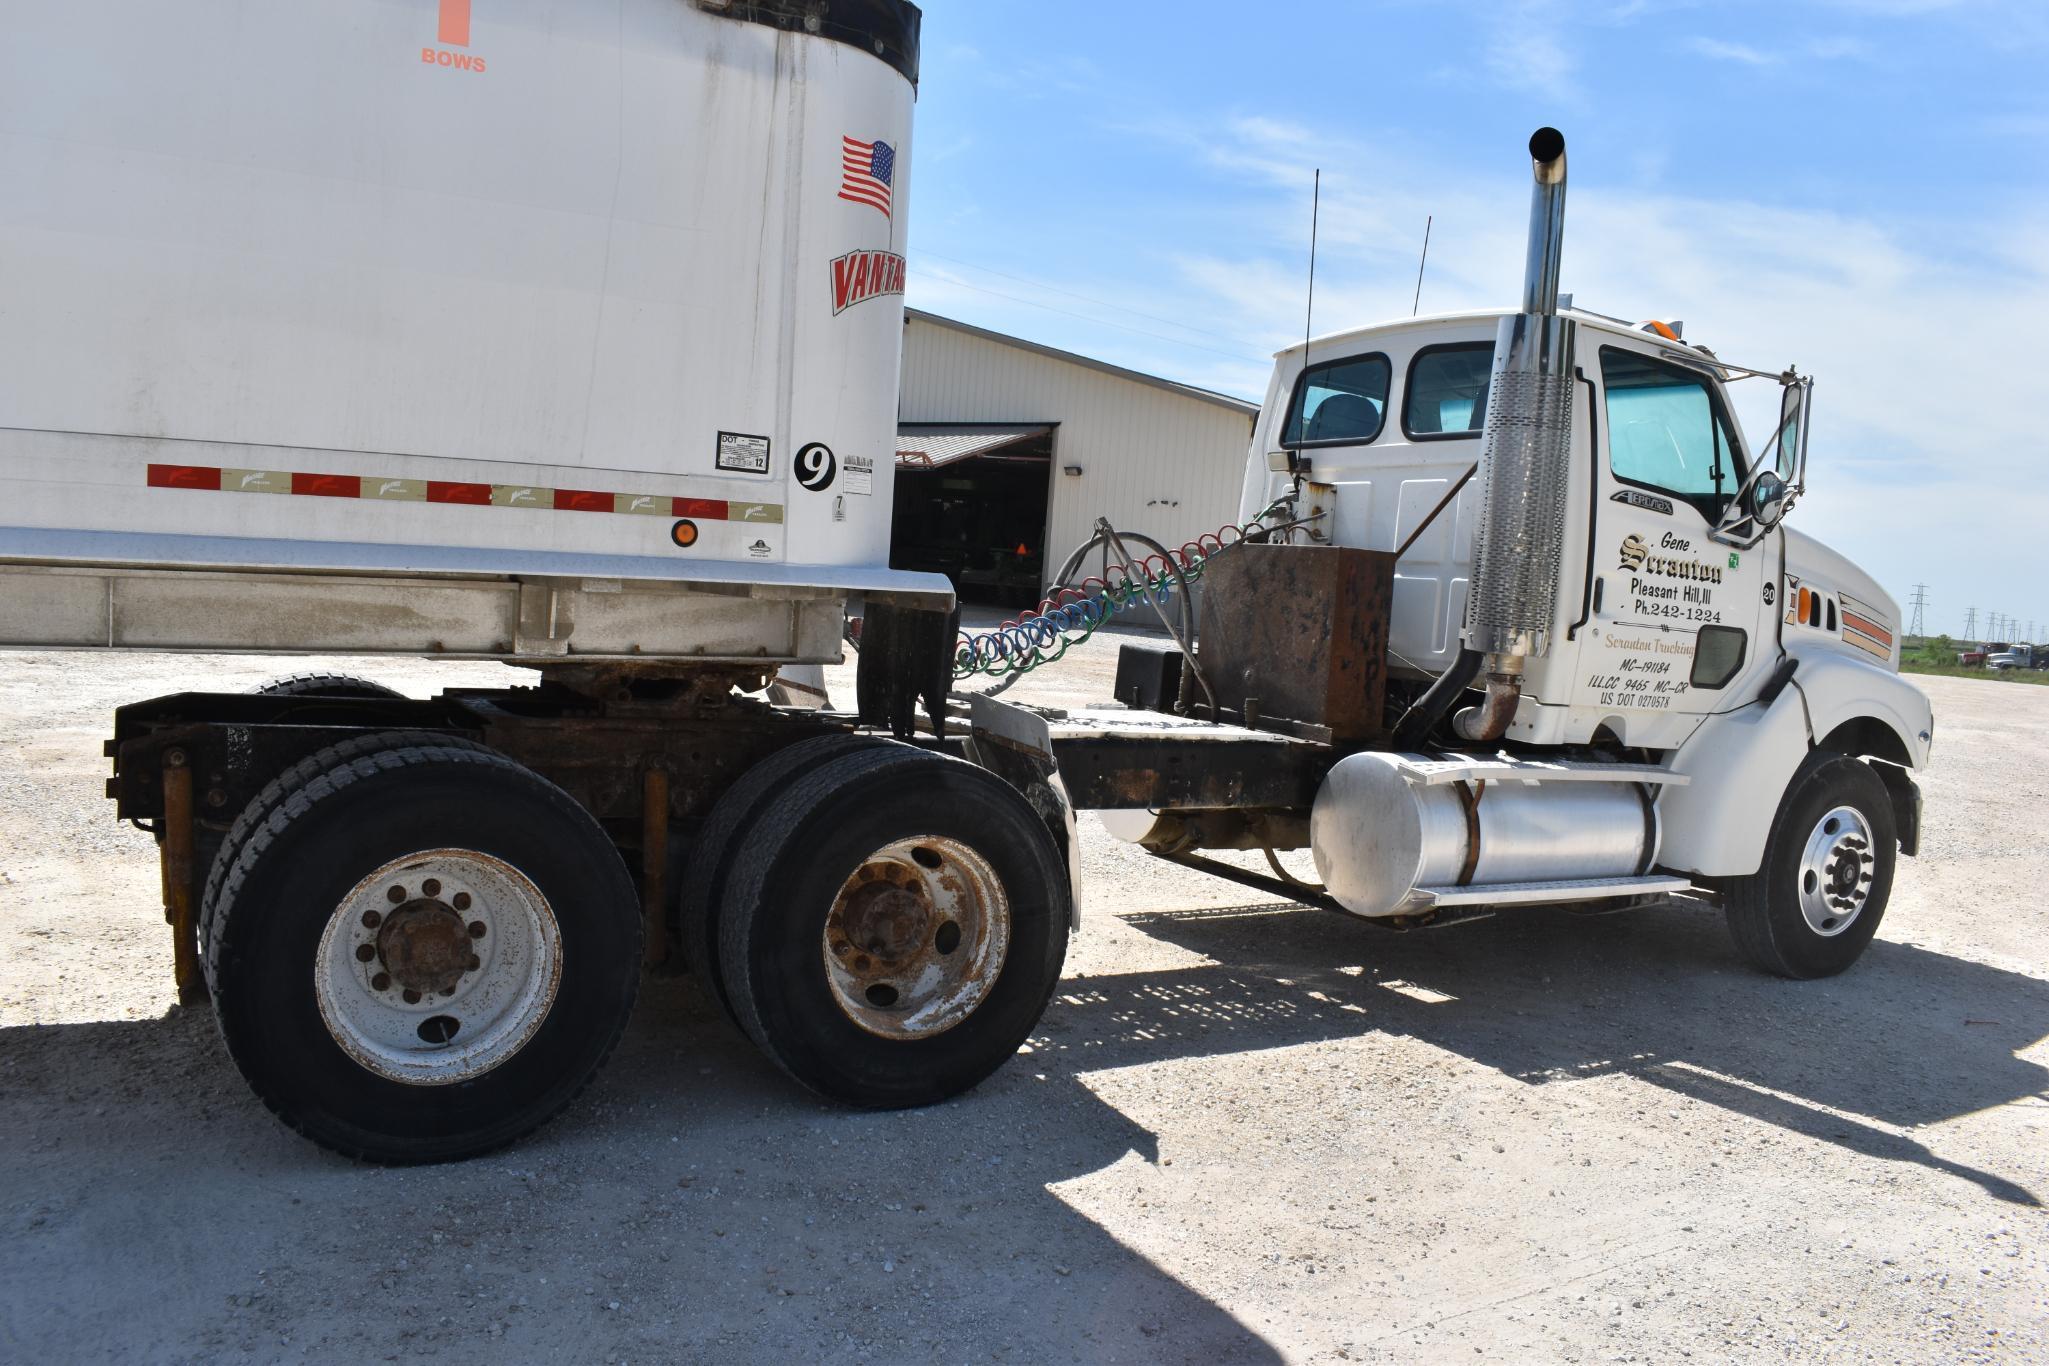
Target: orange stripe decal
[(1869, 628), (455, 22)]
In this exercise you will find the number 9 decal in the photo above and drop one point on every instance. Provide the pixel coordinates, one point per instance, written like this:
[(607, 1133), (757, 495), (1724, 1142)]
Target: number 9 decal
[(816, 467)]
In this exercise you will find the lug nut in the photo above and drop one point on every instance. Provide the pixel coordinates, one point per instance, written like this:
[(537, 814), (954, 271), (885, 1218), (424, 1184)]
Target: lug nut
[(412, 998), (475, 962), (431, 887), (381, 982), (476, 929), (462, 901), (372, 919), (395, 895), (364, 953)]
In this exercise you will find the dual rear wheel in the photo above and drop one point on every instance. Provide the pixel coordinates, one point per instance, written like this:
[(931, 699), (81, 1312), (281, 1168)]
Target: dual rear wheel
[(419, 950)]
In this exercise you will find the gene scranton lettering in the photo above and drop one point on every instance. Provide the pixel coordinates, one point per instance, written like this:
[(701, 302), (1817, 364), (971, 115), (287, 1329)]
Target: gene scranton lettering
[(1638, 559)]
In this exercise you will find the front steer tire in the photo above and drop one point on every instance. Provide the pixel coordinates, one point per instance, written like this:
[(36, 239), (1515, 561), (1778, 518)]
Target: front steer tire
[(859, 939), (285, 914), (1817, 898)]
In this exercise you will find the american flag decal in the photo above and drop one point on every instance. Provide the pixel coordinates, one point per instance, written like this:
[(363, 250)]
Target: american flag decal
[(866, 169)]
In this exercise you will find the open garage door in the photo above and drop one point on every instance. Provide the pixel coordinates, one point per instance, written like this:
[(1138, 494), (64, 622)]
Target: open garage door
[(971, 503)]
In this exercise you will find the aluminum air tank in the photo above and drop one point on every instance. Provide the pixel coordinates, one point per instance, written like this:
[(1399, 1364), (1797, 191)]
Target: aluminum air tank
[(1378, 832)]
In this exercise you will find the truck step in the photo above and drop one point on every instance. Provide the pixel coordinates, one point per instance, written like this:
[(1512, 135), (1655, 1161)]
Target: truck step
[(1536, 893), (1501, 768)]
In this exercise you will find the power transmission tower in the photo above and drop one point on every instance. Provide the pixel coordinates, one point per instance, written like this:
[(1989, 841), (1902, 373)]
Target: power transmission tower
[(1916, 627), (1971, 624)]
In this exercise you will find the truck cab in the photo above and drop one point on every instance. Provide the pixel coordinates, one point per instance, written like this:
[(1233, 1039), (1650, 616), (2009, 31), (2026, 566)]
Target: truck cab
[(1675, 616)]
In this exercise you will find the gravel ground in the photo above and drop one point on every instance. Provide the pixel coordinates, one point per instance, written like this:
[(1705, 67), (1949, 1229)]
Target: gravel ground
[(1246, 1131)]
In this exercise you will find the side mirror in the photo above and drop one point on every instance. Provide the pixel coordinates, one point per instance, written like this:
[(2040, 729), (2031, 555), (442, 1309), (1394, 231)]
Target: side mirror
[(1792, 455), (1765, 501)]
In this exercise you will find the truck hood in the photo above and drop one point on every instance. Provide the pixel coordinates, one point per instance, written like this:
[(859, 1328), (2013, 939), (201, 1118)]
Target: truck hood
[(1809, 559)]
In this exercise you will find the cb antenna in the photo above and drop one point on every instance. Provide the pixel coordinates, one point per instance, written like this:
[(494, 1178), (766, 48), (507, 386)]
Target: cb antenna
[(1309, 309), (1417, 302), (1308, 318)]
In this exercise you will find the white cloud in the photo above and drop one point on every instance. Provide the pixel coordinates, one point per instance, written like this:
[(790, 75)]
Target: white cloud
[(1723, 51), (1523, 51)]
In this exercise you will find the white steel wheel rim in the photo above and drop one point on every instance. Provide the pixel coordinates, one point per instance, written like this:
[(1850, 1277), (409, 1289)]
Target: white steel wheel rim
[(1836, 868), (438, 966), (916, 938)]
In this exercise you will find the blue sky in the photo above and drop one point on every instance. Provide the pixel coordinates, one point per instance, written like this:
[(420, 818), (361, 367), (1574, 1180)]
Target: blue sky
[(1855, 186)]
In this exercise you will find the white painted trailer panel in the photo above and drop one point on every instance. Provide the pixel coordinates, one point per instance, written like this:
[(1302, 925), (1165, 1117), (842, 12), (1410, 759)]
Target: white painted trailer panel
[(314, 275)]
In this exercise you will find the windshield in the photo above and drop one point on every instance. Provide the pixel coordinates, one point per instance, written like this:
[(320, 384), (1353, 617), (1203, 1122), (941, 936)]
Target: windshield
[(1666, 430)]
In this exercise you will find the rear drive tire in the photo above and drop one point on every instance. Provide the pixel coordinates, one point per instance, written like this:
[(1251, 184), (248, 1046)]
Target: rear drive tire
[(893, 928), (354, 989), (326, 685), (704, 883), (273, 793), (1818, 896)]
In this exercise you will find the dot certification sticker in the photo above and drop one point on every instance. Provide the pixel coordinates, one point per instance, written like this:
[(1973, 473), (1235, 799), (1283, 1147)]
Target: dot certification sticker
[(740, 453)]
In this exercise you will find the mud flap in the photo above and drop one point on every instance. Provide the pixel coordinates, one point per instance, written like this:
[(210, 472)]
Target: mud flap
[(1016, 745), (906, 658)]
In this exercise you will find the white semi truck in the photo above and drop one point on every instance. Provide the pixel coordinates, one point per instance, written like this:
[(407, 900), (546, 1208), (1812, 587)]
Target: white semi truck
[(521, 333)]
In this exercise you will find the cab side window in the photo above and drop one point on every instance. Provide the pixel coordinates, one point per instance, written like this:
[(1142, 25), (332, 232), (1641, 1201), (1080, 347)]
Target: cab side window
[(1447, 391), (1665, 430), (1341, 402)]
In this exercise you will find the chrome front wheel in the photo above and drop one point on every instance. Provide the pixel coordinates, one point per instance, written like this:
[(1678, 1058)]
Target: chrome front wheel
[(1836, 869)]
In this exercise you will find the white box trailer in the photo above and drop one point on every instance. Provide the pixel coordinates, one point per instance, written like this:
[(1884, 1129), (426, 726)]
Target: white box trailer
[(524, 330), (541, 330)]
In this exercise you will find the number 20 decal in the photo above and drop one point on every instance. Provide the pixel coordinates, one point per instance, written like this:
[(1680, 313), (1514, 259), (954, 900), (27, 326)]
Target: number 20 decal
[(816, 467)]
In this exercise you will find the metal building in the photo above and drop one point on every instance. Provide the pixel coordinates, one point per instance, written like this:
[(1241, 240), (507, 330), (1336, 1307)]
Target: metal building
[(1008, 451)]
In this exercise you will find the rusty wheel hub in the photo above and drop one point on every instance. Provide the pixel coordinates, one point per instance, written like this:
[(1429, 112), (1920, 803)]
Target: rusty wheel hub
[(916, 938), (886, 915), (425, 946)]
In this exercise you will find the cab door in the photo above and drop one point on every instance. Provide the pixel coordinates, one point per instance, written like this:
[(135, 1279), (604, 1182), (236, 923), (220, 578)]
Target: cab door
[(1678, 620)]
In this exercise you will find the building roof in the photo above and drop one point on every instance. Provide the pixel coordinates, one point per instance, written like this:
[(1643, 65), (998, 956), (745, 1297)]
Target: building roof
[(927, 445), (1238, 405)]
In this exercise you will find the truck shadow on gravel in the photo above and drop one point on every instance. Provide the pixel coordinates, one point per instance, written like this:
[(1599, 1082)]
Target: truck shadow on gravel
[(1906, 1038), (693, 1206), (696, 1206)]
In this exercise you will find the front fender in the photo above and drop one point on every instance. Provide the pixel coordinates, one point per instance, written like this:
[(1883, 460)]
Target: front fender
[(1846, 695), (1741, 761)]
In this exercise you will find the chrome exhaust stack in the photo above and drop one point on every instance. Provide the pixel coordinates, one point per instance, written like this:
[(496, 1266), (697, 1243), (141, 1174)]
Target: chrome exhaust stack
[(1525, 452)]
